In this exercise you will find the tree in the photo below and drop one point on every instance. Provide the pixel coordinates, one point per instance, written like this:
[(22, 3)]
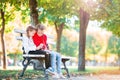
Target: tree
[(5, 18), (57, 13), (92, 45), (84, 9), (84, 19), (114, 47), (101, 10), (2, 37), (16, 4), (69, 48), (33, 12), (108, 13)]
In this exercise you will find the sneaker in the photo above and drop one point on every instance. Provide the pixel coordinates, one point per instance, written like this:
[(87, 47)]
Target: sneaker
[(49, 70), (61, 76), (56, 76)]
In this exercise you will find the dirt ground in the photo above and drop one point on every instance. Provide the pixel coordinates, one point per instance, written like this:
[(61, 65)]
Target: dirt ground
[(89, 77), (97, 77), (94, 77)]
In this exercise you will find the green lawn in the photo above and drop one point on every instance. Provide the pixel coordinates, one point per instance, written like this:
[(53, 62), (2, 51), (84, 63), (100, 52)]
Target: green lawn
[(15, 73), (73, 71)]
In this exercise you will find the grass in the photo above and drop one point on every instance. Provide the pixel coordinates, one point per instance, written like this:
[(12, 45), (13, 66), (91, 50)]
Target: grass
[(96, 70), (73, 72), (4, 74)]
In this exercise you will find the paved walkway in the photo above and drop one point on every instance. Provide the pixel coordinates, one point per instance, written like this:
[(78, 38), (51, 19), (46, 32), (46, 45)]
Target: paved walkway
[(95, 77), (91, 77)]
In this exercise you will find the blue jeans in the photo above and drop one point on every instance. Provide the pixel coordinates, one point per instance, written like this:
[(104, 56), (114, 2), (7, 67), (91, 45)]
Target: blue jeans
[(56, 62)]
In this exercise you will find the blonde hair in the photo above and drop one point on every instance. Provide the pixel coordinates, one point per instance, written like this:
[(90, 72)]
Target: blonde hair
[(29, 28), (40, 26)]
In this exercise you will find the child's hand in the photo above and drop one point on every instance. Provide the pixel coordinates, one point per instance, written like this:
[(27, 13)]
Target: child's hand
[(37, 48), (40, 46)]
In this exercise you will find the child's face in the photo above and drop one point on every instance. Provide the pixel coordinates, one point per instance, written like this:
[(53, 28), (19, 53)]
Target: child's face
[(31, 33), (40, 31)]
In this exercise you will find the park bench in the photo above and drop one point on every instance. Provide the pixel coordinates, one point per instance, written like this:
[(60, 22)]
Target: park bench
[(44, 59)]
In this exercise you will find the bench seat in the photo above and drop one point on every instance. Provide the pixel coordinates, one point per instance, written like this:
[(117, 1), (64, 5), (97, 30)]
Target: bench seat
[(33, 55)]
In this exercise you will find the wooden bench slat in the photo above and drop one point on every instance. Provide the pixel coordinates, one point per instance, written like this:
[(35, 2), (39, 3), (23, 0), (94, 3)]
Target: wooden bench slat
[(31, 55)]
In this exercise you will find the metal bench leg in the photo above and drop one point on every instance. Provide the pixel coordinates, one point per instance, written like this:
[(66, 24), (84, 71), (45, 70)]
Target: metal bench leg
[(44, 69), (25, 66), (68, 75)]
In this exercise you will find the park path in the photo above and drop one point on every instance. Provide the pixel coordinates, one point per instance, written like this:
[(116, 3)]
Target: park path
[(95, 77)]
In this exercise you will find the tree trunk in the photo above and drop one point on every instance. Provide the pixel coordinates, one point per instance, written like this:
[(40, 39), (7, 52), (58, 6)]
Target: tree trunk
[(84, 19), (59, 29), (33, 12), (2, 39)]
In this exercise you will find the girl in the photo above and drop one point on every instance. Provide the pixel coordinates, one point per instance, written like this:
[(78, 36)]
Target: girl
[(40, 40)]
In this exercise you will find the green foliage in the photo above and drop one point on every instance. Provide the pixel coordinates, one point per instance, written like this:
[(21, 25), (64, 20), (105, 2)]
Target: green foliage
[(9, 15), (108, 13), (9, 28), (25, 14), (10, 8), (56, 10), (77, 24), (18, 55), (68, 47), (114, 45), (92, 46)]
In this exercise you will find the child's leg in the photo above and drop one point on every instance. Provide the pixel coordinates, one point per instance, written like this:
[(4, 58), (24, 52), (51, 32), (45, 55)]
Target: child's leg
[(53, 61), (58, 58)]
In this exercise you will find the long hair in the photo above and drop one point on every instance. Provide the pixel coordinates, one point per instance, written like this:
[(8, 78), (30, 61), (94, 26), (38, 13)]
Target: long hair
[(29, 28)]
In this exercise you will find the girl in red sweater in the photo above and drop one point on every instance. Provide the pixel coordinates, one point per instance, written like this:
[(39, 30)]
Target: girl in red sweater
[(40, 40)]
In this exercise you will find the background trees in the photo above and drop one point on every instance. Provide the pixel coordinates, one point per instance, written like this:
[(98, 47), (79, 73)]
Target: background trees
[(103, 11), (108, 13), (114, 47), (92, 46), (6, 10), (58, 12), (5, 18), (69, 48)]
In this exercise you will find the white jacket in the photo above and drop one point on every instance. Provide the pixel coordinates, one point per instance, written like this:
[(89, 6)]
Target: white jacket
[(28, 44)]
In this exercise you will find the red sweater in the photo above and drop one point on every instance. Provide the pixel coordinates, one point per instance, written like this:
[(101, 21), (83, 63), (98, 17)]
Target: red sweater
[(40, 39)]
